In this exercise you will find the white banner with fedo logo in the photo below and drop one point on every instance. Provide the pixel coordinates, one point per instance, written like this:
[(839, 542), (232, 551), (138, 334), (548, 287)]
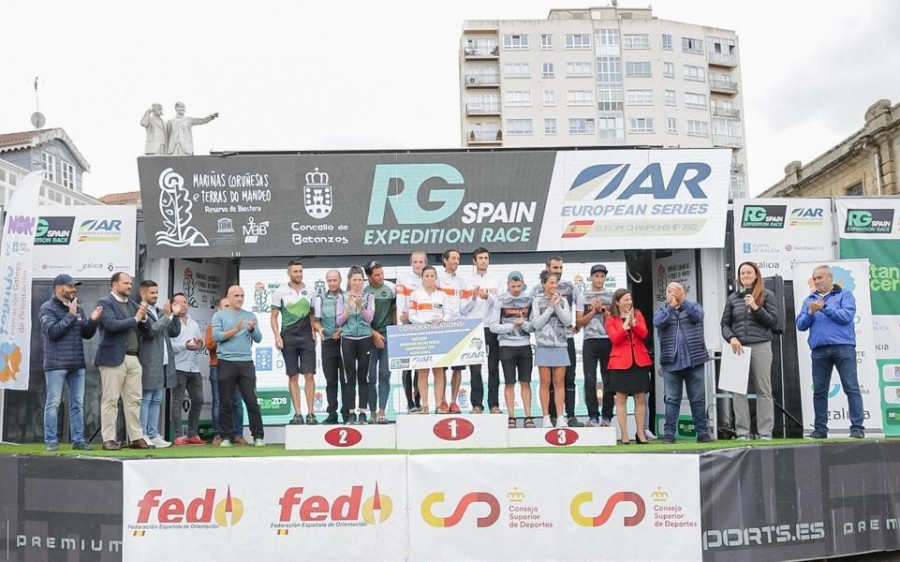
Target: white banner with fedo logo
[(309, 508), (775, 233), (554, 508), (853, 276)]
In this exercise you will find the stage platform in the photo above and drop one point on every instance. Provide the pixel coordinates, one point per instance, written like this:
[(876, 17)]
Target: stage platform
[(733, 501)]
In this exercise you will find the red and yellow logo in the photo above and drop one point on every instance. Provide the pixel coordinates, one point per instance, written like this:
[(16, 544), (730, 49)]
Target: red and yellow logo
[(225, 512), (598, 520), (376, 508), (462, 506)]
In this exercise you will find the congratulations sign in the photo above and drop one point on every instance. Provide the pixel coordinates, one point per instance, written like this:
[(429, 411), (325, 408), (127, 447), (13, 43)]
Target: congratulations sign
[(422, 346)]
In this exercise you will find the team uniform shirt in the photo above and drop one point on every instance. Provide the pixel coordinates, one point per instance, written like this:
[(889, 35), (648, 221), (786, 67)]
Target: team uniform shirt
[(385, 298), (505, 311), (595, 329), (186, 359), (296, 311), (326, 312), (567, 290), (458, 300), (489, 288), (406, 284), (425, 308)]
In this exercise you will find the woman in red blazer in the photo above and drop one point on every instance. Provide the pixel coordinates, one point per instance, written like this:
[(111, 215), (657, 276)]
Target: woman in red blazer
[(629, 362)]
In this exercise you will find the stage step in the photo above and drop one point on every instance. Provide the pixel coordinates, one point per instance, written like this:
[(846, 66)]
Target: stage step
[(563, 437), (433, 431), (311, 437)]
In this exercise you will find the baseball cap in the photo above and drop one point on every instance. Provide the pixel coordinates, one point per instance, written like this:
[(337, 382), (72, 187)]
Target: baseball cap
[(515, 276), (65, 279), (599, 267)]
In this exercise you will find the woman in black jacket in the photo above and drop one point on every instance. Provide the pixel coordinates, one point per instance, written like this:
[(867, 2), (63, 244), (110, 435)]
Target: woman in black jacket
[(747, 321)]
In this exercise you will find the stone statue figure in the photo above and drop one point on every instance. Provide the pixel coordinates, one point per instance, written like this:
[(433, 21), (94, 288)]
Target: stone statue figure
[(180, 142), (155, 144)]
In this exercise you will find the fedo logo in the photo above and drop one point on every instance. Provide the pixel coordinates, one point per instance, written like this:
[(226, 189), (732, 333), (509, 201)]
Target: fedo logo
[(100, 230), (346, 508), (469, 500), (225, 512), (649, 181), (606, 513)]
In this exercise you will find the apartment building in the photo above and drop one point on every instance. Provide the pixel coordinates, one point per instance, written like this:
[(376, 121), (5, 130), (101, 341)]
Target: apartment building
[(602, 77)]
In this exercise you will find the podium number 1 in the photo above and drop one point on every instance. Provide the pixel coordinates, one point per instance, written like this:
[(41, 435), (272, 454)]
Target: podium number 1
[(453, 428)]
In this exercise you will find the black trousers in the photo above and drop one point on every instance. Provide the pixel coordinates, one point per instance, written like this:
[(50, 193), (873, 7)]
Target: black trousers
[(356, 372), (333, 366), (411, 389), (569, 384), (493, 349), (597, 350), (241, 374)]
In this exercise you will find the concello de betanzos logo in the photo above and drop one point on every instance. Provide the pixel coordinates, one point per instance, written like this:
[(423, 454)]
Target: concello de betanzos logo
[(175, 209)]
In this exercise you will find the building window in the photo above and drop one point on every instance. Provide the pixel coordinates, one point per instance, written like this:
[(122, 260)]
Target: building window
[(689, 45), (515, 42), (636, 41), (672, 125), (609, 70), (517, 70), (582, 127), (610, 98), (578, 69), (481, 46), (607, 36), (549, 97), (578, 41), (612, 129), (549, 126), (670, 97), (639, 97), (546, 42), (68, 175), (694, 73), (640, 125), (518, 126), (666, 42), (669, 70), (518, 97), (854, 190), (637, 69), (49, 162), (547, 70), (579, 97), (697, 128), (695, 101)]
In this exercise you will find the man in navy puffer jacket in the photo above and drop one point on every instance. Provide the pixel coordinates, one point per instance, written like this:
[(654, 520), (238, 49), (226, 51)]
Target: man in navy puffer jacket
[(63, 327)]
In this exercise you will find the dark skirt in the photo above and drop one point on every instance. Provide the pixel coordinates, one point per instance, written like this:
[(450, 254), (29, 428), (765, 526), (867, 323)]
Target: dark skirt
[(630, 381)]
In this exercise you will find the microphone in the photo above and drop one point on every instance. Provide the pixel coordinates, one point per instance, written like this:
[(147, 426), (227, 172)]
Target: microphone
[(744, 293)]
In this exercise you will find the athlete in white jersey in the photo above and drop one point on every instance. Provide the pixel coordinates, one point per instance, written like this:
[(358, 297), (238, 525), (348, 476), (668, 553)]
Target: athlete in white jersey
[(483, 289), (407, 282)]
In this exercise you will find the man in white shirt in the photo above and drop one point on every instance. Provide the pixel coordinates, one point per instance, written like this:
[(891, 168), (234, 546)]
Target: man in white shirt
[(187, 366), (483, 289), (407, 282), (456, 307)]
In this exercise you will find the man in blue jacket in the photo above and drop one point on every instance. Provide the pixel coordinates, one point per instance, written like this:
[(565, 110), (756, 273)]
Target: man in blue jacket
[(683, 356), (828, 313), (63, 327)]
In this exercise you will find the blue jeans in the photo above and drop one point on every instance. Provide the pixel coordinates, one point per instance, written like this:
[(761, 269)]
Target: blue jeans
[(380, 376), (824, 360), (238, 405), (150, 400), (55, 378), (674, 381)]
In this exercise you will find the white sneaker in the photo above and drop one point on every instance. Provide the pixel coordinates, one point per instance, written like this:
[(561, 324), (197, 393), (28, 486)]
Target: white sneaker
[(561, 422), (158, 442), (546, 422), (649, 434)]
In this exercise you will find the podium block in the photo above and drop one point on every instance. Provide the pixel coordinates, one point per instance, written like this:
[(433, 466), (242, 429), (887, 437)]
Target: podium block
[(563, 437), (435, 431), (307, 437)]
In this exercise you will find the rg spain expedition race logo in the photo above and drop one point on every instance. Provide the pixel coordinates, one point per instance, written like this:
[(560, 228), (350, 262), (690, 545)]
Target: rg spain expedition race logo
[(209, 511), (869, 221)]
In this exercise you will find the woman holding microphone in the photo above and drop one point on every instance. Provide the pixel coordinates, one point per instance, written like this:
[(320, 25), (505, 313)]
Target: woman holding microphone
[(629, 362), (747, 321)]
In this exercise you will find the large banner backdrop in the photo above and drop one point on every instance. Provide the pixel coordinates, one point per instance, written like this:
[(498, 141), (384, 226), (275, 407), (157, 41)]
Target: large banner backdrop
[(870, 228), (510, 201)]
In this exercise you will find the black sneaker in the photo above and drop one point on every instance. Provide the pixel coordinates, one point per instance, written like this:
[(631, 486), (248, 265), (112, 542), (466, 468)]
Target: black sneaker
[(857, 434), (363, 419), (351, 420), (705, 438), (573, 422), (669, 439), (311, 419), (296, 420), (332, 419), (817, 435)]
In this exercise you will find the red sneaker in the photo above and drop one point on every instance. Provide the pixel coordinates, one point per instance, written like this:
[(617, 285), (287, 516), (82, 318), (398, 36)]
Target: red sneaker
[(454, 409), (442, 409), (195, 440), (181, 440)]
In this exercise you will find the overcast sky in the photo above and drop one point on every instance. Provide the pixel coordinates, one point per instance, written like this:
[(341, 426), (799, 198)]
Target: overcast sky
[(384, 75)]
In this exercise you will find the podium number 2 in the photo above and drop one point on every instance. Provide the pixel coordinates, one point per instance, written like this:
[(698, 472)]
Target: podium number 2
[(342, 437)]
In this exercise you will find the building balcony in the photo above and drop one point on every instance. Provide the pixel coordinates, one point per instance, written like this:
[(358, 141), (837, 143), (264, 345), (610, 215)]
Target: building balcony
[(722, 59), (482, 53), (484, 138), (52, 193), (722, 87), (482, 109), (727, 113), (737, 168), (482, 80), (738, 187), (727, 141)]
